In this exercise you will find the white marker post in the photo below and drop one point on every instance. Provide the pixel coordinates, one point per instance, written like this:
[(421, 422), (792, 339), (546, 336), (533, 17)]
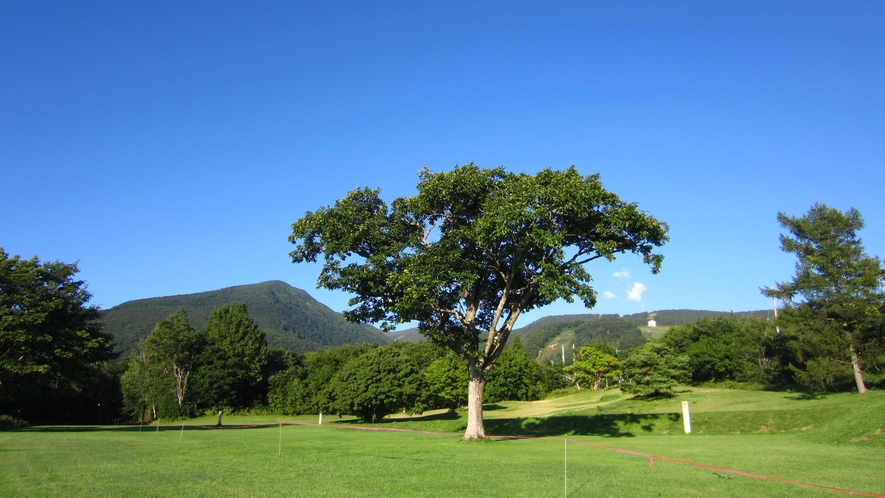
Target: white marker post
[(321, 419), (686, 418)]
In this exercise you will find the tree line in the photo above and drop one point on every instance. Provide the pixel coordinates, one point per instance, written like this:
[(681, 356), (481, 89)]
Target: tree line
[(465, 257), (178, 372)]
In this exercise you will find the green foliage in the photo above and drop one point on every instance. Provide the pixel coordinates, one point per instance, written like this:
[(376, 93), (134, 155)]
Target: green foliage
[(380, 382), (471, 251), (593, 367), (51, 343), (727, 349), (515, 377), (446, 381), (159, 373), (233, 363), (290, 318), (832, 307), (671, 318), (654, 370), (8, 422), (588, 329), (303, 388)]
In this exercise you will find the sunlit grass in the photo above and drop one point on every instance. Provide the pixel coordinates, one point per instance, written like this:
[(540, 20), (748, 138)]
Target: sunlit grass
[(242, 458)]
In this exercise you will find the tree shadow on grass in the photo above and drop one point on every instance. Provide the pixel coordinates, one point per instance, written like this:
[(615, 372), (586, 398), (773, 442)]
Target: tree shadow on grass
[(136, 428), (610, 425), (806, 396), (602, 424)]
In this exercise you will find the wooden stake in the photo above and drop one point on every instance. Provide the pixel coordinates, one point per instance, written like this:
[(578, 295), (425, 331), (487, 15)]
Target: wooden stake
[(565, 462)]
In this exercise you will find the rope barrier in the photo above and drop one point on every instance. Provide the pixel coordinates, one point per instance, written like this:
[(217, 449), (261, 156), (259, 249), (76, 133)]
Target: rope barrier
[(650, 457)]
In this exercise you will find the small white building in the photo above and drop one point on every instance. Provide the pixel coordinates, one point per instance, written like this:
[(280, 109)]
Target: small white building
[(652, 323)]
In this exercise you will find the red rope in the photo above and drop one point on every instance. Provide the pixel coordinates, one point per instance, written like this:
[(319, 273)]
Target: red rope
[(730, 471), (611, 448)]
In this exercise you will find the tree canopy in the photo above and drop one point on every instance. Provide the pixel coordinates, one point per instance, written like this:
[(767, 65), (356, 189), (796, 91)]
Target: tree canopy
[(592, 367), (173, 348), (50, 337), (654, 370), (472, 251), (380, 382), (833, 302), (232, 364)]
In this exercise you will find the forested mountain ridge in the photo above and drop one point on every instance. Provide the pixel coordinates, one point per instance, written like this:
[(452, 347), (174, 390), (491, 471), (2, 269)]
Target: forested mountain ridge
[(669, 318), (290, 317), (620, 332)]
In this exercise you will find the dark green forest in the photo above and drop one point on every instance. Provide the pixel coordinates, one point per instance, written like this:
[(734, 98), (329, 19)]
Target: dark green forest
[(612, 330)]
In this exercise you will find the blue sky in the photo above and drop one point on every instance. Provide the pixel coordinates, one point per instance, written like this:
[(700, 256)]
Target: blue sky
[(167, 148)]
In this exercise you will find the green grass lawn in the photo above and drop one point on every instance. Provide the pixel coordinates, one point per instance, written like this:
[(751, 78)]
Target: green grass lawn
[(330, 461)]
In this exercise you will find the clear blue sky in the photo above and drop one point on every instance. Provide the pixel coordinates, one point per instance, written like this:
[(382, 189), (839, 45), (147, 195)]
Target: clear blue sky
[(168, 147)]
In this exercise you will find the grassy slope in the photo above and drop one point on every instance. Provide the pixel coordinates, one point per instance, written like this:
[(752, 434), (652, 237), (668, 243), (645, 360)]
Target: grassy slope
[(323, 461)]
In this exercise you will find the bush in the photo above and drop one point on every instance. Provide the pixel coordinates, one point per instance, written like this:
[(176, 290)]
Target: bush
[(8, 422)]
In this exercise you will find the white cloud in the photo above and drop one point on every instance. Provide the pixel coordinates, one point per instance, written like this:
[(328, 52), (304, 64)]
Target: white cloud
[(608, 295), (621, 274), (636, 291)]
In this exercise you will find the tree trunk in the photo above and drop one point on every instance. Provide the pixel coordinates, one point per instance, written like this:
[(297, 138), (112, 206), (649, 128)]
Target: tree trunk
[(475, 386), (855, 365)]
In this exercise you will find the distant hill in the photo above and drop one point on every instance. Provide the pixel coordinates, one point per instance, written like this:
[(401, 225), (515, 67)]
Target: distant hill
[(670, 318), (408, 335), (546, 337), (289, 316), (621, 332)]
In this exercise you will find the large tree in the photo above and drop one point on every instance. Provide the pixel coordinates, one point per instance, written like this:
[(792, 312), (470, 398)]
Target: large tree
[(654, 370), (384, 380), (173, 348), (232, 365), (833, 301), (471, 252), (592, 367), (50, 337)]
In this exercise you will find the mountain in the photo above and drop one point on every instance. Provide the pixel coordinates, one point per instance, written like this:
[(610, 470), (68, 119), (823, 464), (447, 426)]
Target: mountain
[(546, 336), (289, 316), (621, 332), (671, 318)]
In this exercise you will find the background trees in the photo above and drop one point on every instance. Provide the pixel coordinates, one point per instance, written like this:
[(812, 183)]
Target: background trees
[(515, 377), (727, 349), (593, 368), (303, 387), (158, 375), (378, 383), (52, 348), (446, 381), (654, 370), (470, 252), (232, 364), (832, 304)]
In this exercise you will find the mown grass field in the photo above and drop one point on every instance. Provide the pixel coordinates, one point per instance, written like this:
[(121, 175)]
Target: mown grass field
[(830, 441)]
